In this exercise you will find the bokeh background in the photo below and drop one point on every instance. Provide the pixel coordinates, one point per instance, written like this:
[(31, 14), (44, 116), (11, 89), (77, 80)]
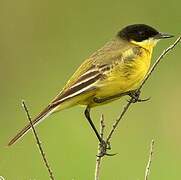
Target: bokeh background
[(41, 44)]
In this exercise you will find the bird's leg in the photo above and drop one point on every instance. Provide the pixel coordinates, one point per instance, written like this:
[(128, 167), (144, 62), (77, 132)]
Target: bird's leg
[(136, 96), (87, 115), (103, 144)]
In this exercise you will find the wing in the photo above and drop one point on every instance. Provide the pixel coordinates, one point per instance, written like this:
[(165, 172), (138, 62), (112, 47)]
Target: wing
[(92, 70), (82, 82)]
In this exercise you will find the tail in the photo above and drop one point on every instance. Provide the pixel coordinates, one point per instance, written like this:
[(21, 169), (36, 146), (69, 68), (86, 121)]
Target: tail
[(67, 98), (44, 114)]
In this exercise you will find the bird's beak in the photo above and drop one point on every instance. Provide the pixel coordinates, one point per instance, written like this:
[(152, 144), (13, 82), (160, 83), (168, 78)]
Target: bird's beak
[(163, 36)]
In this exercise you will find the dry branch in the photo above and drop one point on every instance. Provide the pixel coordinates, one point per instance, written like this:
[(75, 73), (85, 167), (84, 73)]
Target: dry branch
[(148, 167), (98, 159), (42, 152)]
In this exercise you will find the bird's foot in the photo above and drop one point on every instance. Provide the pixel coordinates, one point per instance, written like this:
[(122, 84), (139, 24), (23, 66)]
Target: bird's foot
[(103, 147), (135, 95)]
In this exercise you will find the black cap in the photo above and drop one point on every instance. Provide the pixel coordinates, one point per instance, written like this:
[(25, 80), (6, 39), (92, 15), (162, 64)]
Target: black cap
[(139, 32)]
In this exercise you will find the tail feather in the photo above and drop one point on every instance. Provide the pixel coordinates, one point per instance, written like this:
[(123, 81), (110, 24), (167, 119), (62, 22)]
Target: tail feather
[(65, 99), (44, 114)]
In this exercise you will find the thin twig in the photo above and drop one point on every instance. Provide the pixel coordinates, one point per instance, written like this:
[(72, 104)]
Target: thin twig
[(99, 158), (126, 107), (38, 142), (148, 166)]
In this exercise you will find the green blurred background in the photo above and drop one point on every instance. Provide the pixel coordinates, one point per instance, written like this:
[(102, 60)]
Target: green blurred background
[(41, 44)]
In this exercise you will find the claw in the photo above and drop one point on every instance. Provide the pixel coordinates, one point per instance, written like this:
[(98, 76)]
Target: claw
[(143, 100), (135, 97), (138, 100), (106, 154), (104, 146)]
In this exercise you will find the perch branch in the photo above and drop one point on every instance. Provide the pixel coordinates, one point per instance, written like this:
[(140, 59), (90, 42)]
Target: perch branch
[(126, 107), (148, 167), (99, 158), (38, 142)]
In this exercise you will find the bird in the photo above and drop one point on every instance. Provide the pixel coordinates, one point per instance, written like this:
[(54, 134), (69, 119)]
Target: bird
[(113, 71)]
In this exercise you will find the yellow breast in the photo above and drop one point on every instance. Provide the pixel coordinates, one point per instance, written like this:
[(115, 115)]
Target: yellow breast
[(138, 69), (126, 76)]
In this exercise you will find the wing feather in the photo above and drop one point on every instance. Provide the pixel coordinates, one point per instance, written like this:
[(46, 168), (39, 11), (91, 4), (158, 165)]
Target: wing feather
[(92, 71)]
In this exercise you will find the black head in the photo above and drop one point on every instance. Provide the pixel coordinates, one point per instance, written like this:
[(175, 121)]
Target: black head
[(140, 32)]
